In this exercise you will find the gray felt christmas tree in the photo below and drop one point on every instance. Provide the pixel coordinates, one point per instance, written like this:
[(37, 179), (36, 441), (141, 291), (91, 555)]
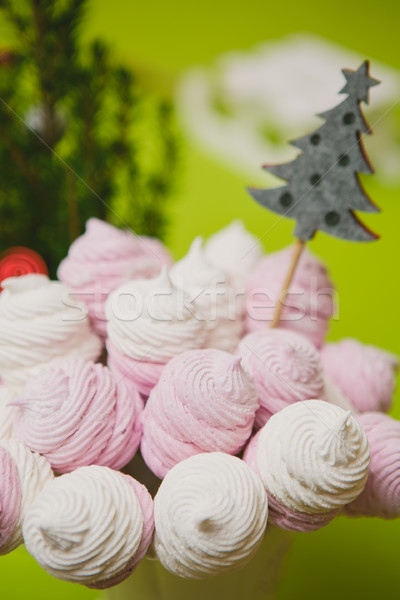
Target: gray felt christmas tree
[(323, 189)]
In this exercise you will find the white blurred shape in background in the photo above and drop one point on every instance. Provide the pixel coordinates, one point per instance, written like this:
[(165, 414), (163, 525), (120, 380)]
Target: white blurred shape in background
[(247, 106)]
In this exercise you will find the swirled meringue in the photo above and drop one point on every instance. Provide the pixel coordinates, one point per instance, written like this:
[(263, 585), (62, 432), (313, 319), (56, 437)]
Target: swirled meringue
[(147, 508), (381, 495), (10, 498), (40, 321), (34, 475), (280, 515), (211, 288), (234, 250), (285, 367), (7, 413), (204, 401), (195, 271), (75, 413), (103, 258), (152, 320), (313, 457), (210, 516), (370, 381), (140, 374), (309, 304), (87, 527)]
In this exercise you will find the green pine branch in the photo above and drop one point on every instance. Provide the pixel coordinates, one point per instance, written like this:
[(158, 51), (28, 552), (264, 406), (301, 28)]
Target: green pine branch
[(72, 141)]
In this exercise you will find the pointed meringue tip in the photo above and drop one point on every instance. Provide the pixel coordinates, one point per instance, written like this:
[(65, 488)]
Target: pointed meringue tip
[(197, 244), (237, 361), (206, 524), (235, 225), (342, 421), (56, 539), (165, 274), (334, 442), (337, 426)]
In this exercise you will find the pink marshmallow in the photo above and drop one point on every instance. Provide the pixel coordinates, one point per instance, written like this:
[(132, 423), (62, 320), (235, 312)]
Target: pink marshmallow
[(278, 514), (365, 374), (142, 375), (285, 367), (76, 413), (103, 258), (10, 497), (381, 495), (204, 402), (309, 304)]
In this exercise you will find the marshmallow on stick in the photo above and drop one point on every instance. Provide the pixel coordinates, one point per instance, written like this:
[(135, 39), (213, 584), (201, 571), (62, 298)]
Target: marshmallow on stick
[(309, 304), (370, 382), (381, 496), (40, 321), (235, 251), (76, 413), (279, 514), (103, 258), (211, 287), (138, 374), (91, 526), (286, 368), (313, 457), (149, 322), (210, 515), (205, 401)]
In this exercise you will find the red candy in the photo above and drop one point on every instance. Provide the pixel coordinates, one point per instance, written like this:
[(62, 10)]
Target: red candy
[(18, 261)]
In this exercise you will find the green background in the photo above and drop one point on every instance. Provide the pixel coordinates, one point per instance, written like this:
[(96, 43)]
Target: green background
[(350, 558)]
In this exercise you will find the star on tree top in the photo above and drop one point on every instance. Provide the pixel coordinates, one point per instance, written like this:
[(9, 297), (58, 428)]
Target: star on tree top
[(358, 82)]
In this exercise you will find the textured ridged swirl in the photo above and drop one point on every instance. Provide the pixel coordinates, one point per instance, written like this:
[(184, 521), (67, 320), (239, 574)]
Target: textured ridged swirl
[(10, 498), (285, 367), (204, 401), (86, 527), (234, 250), (210, 516), (281, 515), (370, 382), (309, 304), (151, 320), (147, 508), (40, 321), (195, 271), (75, 414), (313, 457), (381, 495), (103, 258), (34, 474), (140, 374), (6, 413), (211, 287)]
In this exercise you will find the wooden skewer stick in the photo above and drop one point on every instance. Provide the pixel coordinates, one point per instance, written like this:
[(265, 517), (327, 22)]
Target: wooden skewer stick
[(298, 249)]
